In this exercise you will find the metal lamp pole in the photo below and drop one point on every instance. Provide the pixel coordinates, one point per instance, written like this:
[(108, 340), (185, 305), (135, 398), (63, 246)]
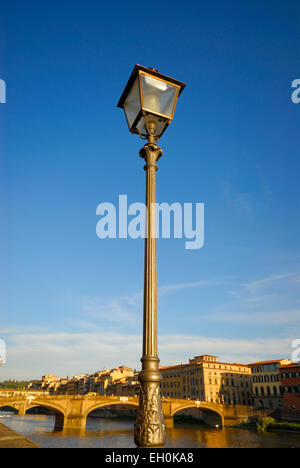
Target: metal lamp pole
[(150, 427), (149, 100)]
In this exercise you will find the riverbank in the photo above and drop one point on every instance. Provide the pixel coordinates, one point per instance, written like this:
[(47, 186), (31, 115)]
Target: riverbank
[(271, 426), (10, 439)]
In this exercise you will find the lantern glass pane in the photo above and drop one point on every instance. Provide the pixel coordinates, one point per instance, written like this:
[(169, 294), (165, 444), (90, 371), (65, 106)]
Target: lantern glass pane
[(159, 97), (132, 104)]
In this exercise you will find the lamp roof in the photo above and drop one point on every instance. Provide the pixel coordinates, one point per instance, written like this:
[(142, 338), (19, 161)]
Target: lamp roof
[(150, 71)]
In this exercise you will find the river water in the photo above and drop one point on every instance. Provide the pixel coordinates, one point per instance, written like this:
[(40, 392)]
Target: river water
[(118, 433)]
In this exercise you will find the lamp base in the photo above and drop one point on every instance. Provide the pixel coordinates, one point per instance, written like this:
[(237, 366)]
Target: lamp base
[(149, 429)]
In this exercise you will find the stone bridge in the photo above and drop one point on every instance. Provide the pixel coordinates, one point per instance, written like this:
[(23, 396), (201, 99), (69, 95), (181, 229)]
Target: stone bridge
[(71, 411)]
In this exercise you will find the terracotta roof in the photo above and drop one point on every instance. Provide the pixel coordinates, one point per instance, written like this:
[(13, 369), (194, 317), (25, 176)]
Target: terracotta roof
[(206, 355), (173, 367), (267, 362), (293, 364), (205, 362)]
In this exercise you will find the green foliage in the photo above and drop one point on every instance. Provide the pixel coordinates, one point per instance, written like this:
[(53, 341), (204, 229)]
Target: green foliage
[(266, 424), (14, 384), (284, 425), (263, 424)]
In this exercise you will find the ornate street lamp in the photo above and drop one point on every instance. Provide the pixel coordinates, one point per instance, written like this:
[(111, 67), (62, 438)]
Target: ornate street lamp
[(149, 100)]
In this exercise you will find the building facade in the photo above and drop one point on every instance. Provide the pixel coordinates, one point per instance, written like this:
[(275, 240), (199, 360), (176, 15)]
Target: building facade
[(290, 381), (267, 387), (126, 386), (102, 382), (205, 378)]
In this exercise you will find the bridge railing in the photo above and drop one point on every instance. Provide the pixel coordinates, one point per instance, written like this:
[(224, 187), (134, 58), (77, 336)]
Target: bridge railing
[(13, 393)]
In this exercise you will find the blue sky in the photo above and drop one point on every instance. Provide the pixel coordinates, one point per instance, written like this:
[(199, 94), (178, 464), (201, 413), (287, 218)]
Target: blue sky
[(72, 303)]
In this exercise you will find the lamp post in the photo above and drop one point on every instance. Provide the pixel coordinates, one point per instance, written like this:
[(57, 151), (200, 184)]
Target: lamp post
[(149, 100)]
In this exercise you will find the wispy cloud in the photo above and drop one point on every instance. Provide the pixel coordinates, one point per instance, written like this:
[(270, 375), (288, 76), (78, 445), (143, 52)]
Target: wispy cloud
[(177, 348), (175, 287), (241, 202), (269, 287), (255, 285), (30, 355), (271, 300), (127, 309), (118, 310), (108, 333), (258, 318)]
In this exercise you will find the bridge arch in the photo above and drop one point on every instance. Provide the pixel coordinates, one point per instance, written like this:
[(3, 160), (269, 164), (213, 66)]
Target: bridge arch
[(8, 407), (205, 408), (107, 404), (58, 413), (21, 406), (56, 408)]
